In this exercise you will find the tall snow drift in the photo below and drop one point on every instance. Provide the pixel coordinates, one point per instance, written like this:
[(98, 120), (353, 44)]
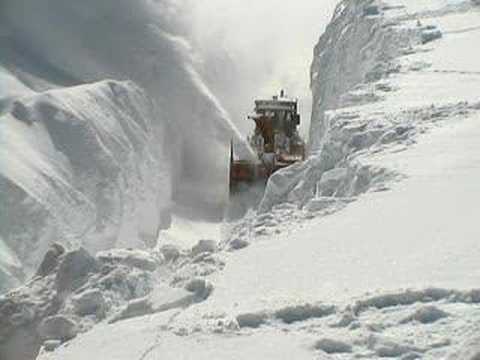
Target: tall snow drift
[(81, 165), (99, 164)]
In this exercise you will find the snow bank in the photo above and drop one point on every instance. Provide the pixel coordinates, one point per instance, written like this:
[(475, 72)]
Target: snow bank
[(82, 166), (97, 162), (151, 53), (72, 291), (355, 47), (367, 99), (357, 41), (401, 233)]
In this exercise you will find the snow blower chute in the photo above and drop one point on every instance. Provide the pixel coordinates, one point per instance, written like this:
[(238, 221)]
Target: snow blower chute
[(275, 141)]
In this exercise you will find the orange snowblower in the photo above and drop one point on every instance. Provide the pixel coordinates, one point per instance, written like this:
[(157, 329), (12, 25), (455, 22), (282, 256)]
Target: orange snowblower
[(275, 141)]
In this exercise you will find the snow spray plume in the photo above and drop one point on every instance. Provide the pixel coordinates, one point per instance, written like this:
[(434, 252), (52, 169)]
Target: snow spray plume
[(143, 41), (255, 48)]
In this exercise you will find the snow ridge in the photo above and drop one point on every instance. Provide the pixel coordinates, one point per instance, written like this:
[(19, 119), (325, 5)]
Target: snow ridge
[(93, 161), (81, 166), (355, 114)]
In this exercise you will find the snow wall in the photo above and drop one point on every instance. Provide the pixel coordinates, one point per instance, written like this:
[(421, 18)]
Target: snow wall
[(359, 46), (104, 124)]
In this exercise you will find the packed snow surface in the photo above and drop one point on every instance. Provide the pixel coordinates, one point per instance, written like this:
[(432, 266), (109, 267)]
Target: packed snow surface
[(411, 236)]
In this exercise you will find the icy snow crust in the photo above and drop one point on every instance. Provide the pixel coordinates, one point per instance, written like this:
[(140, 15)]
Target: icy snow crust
[(98, 162), (370, 248)]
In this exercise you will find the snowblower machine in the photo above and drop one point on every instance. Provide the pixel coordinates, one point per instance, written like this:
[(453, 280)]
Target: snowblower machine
[(275, 141)]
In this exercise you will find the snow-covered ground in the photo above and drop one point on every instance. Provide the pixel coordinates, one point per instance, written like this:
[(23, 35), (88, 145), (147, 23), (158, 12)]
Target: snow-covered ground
[(370, 248), (414, 235)]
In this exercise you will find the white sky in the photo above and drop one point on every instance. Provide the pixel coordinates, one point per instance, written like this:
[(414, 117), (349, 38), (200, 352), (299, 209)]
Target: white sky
[(272, 41)]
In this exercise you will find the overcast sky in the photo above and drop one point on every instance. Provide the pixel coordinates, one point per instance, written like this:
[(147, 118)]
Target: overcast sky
[(272, 41)]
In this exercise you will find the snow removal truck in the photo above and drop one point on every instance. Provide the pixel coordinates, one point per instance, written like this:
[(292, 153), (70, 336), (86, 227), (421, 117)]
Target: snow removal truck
[(275, 141)]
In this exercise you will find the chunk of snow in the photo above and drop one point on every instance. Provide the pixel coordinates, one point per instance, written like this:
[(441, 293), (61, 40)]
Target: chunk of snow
[(170, 252), (51, 345), (50, 260), (73, 270), (407, 297), (392, 349), (320, 203), (429, 35), (200, 287), (57, 328), (252, 320), (238, 244), (331, 181), (204, 246), (134, 308), (426, 315), (89, 302), (129, 257), (167, 299), (291, 314), (333, 346), (371, 10)]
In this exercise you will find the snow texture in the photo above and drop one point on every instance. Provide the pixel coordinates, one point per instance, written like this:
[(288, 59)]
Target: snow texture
[(71, 292), (369, 249), (100, 134)]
